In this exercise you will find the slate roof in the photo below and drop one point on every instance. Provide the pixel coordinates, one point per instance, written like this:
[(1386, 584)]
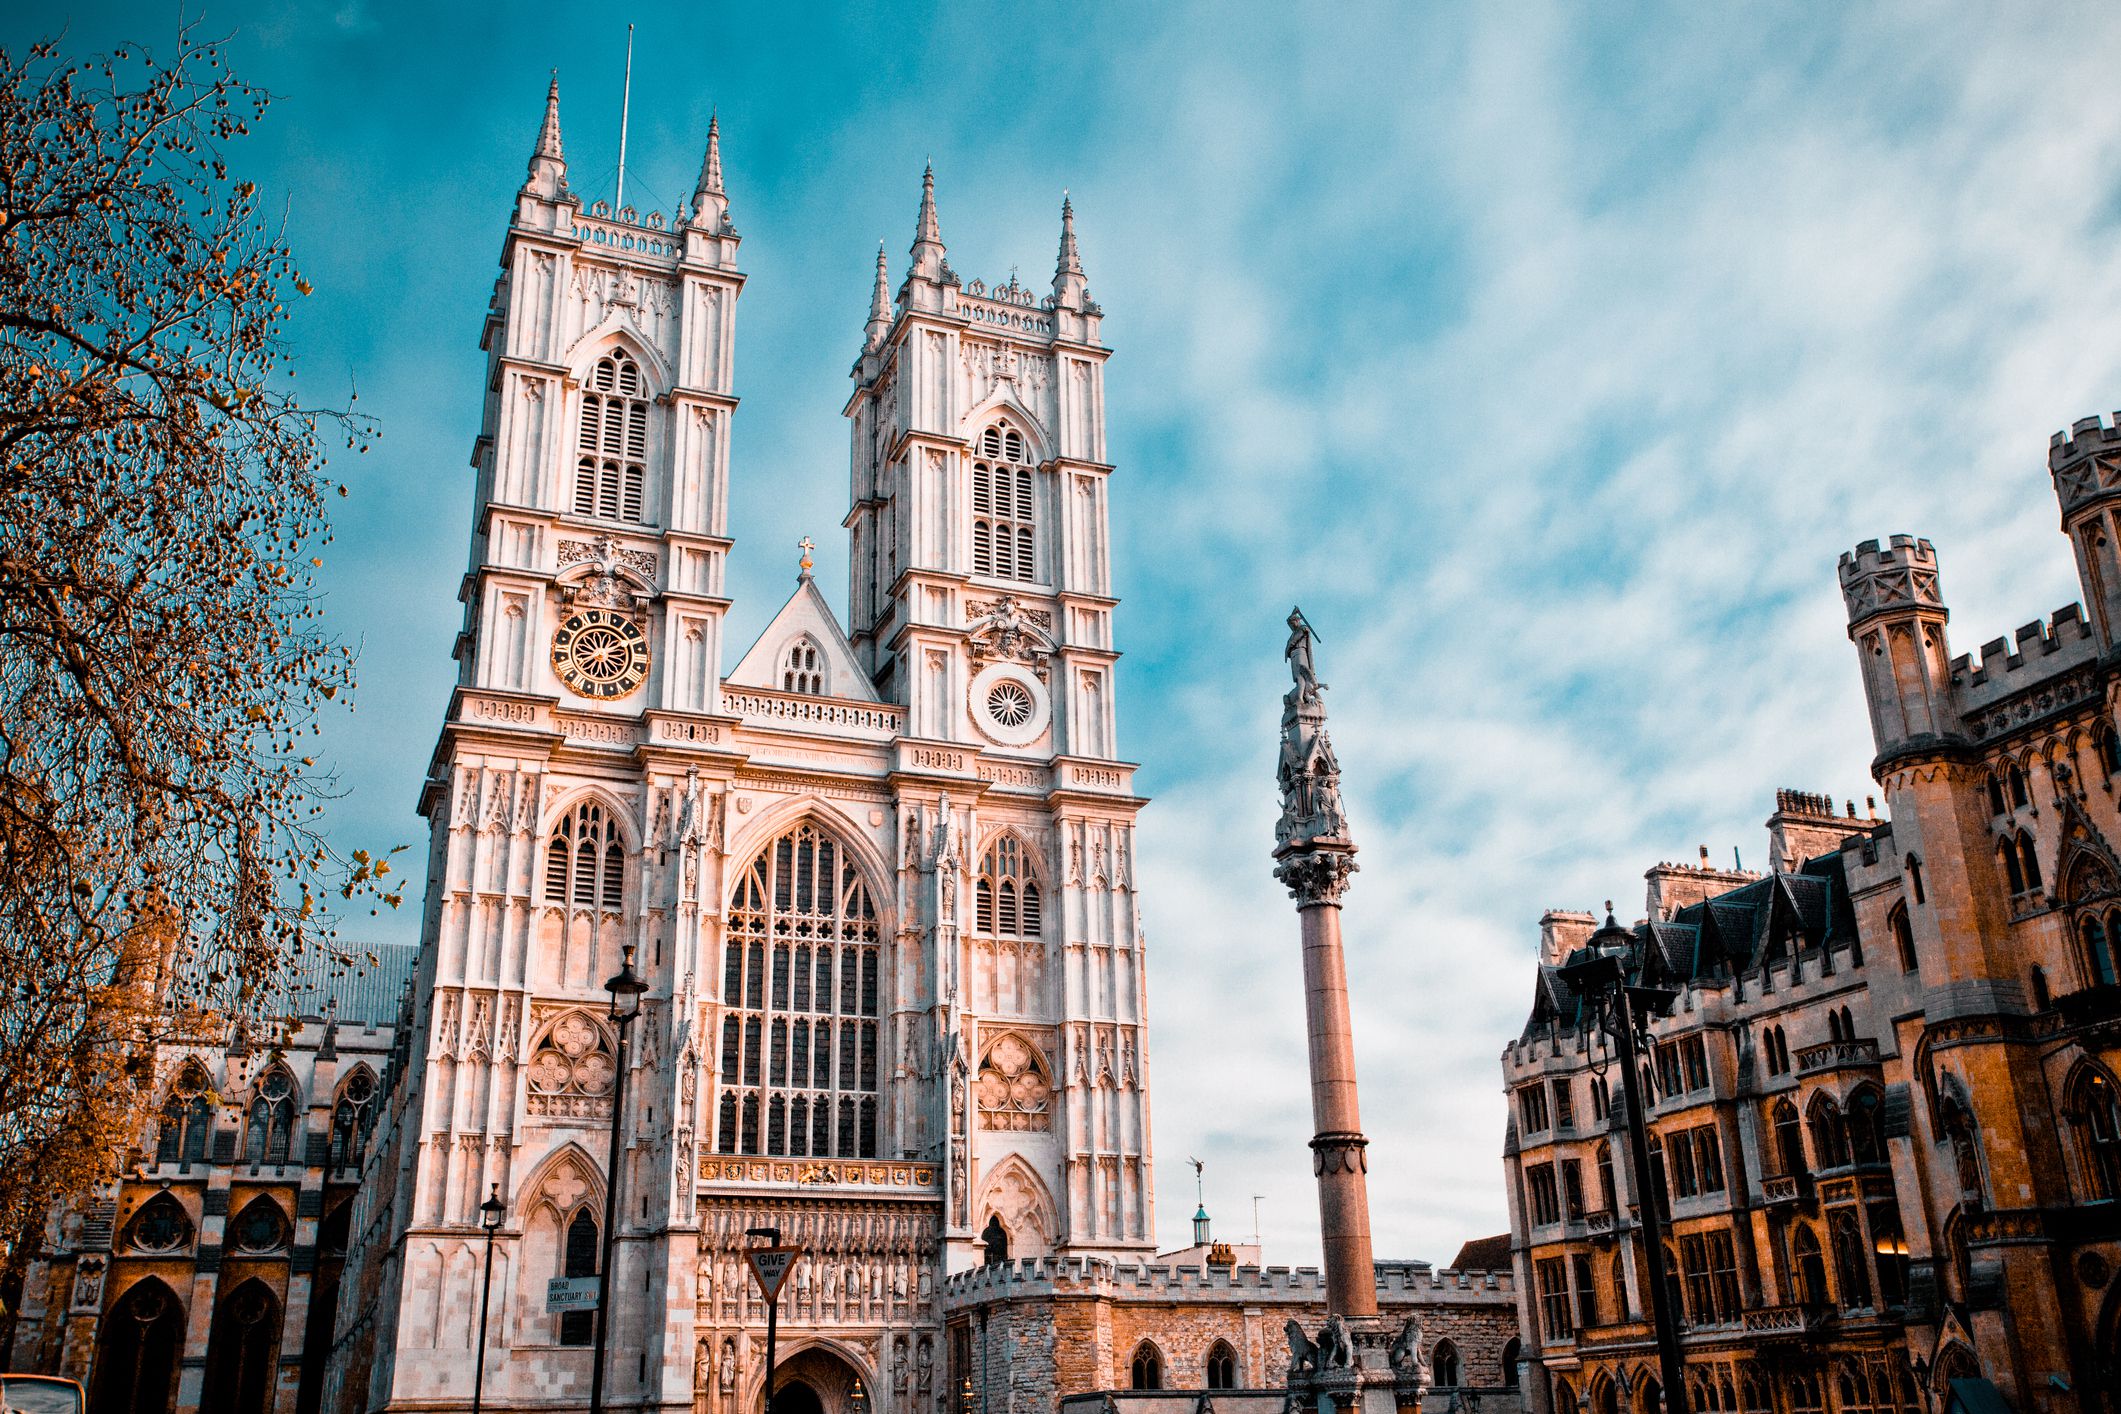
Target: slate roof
[(1484, 1254), (366, 989)]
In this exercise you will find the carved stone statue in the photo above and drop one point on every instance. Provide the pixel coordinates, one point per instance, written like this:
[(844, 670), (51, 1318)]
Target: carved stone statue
[(1308, 772), (1336, 1351), (996, 1240), (1303, 1355), (1406, 1357)]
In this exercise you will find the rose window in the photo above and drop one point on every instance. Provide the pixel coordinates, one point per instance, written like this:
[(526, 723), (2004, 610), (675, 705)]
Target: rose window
[(1010, 704)]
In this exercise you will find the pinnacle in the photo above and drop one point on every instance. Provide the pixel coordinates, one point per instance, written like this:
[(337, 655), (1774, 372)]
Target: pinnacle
[(549, 134)]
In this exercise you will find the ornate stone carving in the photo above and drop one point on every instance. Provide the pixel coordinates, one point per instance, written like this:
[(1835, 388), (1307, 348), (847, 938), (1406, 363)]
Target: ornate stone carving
[(1308, 773), (1013, 1090), (1338, 1152), (571, 1070), (612, 568), (1316, 876), (1003, 631)]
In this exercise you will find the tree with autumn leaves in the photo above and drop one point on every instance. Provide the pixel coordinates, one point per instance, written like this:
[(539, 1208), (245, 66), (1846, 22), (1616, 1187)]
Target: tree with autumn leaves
[(163, 658)]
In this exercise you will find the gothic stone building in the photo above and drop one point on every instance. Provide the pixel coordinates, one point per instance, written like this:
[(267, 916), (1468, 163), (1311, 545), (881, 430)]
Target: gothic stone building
[(879, 879), (204, 1275), (1885, 1102)]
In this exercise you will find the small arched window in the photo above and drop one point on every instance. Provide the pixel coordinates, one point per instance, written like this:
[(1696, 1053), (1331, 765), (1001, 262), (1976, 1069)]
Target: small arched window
[(2098, 953), (2096, 1114), (1914, 878), (585, 860), (579, 1259), (1443, 1365), (2108, 749), (1866, 1127), (1146, 1371), (1833, 1027), (2028, 860), (1006, 899), (1623, 1310), (1609, 1202), (350, 1119), (1789, 1139), (611, 454), (1851, 1265), (803, 667), (2019, 798), (260, 1227), (1903, 936), (1221, 1366), (2042, 998), (187, 1119), (1996, 804), (1004, 507), (1512, 1353), (1829, 1136), (272, 1119), (2013, 876), (1810, 1266)]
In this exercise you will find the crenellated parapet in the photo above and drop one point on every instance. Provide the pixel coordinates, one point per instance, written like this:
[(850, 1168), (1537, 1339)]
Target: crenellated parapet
[(1897, 578), (2086, 467), (1036, 1277), (2085, 463)]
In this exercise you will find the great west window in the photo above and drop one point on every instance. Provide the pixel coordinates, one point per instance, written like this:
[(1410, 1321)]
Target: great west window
[(800, 982)]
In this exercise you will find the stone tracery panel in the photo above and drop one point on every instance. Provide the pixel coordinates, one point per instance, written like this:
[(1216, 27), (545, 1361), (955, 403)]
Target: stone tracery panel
[(1015, 1091), (571, 1069)]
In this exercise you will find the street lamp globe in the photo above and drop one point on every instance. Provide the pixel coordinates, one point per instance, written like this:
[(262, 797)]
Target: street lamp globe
[(492, 1210), (626, 989)]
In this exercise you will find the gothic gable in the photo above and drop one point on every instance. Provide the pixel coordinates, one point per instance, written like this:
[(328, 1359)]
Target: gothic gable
[(805, 620)]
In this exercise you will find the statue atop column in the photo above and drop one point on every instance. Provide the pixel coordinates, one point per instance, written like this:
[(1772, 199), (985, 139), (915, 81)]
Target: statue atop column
[(1308, 773)]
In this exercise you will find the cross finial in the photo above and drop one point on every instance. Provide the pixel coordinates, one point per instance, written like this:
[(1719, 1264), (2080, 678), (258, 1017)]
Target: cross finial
[(806, 545)]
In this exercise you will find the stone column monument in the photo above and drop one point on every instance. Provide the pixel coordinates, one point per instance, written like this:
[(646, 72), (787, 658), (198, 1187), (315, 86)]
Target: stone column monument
[(1313, 856)]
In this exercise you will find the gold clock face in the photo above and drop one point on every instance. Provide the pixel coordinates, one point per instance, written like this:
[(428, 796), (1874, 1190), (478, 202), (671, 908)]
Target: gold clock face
[(600, 654)]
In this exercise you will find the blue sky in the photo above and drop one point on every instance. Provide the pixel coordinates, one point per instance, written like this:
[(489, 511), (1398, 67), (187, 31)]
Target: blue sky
[(1549, 355)]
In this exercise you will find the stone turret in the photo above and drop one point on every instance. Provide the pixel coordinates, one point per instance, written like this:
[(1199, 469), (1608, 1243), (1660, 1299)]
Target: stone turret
[(1897, 622), (2086, 467)]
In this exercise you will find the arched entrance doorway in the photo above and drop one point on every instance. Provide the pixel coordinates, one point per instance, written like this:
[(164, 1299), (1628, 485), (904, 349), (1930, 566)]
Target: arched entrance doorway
[(819, 1380), (136, 1360)]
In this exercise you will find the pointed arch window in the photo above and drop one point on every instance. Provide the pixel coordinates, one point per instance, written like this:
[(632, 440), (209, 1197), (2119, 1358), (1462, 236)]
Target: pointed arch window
[(1810, 1265), (803, 667), (2095, 1113), (270, 1137), (1221, 1366), (161, 1225), (1004, 507), (1789, 1139), (1914, 878), (611, 451), (585, 860), (2028, 861), (1829, 1135), (2020, 798), (801, 984), (579, 1259), (1146, 1371), (350, 1119), (187, 1120), (1007, 903), (1903, 935), (2099, 952)]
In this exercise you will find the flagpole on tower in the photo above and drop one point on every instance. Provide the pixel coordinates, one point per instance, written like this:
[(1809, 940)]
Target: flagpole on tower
[(625, 111)]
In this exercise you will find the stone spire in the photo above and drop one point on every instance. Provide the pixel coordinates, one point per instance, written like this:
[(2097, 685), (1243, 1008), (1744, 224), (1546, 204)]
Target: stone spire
[(928, 253), (1070, 290), (710, 204), (548, 168), (1313, 856), (879, 325)]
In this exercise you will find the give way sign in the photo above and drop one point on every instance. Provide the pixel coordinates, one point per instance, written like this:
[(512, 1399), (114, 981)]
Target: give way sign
[(770, 1266)]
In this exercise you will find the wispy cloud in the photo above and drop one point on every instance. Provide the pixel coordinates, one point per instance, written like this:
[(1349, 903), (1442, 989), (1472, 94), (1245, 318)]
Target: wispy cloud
[(1548, 356)]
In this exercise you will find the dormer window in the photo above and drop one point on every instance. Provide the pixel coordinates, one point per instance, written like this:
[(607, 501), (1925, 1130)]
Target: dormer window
[(611, 465), (1004, 522)]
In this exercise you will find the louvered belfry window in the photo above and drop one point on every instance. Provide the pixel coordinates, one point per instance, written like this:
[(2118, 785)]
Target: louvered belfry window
[(800, 982), (611, 466), (1006, 902), (585, 860), (1004, 531)]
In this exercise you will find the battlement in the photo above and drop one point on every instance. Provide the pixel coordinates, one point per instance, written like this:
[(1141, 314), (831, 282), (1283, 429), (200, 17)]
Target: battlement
[(2086, 436), (1100, 1276), (2040, 651), (1900, 576)]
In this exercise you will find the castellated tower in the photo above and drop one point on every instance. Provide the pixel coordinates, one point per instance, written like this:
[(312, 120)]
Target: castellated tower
[(880, 885), (2086, 467), (1896, 619)]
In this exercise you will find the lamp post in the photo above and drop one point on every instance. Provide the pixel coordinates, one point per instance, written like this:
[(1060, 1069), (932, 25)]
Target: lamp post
[(772, 1237), (625, 989), (490, 1214), (1597, 972)]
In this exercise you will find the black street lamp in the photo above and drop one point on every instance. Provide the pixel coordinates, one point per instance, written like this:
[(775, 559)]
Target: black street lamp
[(625, 989), (1597, 972), (490, 1214)]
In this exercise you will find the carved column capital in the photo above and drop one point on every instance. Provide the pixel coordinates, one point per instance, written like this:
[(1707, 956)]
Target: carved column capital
[(1316, 876)]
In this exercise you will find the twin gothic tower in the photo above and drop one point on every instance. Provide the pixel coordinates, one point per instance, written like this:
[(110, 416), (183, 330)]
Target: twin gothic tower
[(879, 878)]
